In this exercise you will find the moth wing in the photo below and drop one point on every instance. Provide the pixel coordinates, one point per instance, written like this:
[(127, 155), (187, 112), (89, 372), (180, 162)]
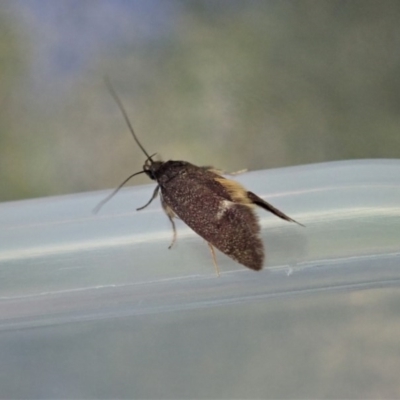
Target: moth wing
[(231, 227), (239, 194), (269, 207), (238, 234)]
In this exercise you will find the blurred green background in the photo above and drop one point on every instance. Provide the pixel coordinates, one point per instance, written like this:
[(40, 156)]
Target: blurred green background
[(234, 84)]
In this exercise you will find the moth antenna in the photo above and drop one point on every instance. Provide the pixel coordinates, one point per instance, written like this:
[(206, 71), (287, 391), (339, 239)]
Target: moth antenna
[(104, 201), (151, 157), (125, 115)]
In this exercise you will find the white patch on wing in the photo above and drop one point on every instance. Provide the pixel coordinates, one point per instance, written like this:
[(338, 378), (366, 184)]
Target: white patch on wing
[(223, 206)]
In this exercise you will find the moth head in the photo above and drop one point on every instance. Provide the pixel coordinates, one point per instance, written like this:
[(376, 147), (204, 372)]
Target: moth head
[(147, 167), (151, 167)]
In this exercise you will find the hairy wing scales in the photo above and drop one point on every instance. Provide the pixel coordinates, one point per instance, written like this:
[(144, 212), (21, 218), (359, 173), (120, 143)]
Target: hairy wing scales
[(197, 201)]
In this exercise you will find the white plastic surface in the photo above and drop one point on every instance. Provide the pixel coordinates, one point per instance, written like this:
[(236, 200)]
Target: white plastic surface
[(96, 306)]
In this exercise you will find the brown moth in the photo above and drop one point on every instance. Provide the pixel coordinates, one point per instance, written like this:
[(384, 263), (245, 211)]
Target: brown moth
[(219, 210)]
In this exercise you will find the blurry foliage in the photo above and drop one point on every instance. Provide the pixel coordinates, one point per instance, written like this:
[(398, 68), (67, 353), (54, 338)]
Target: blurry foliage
[(236, 84), (12, 68)]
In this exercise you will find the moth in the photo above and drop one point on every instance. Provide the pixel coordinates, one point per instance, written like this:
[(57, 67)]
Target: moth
[(218, 209)]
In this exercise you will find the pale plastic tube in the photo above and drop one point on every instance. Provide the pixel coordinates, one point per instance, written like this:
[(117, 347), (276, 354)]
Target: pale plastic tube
[(96, 306), (56, 247)]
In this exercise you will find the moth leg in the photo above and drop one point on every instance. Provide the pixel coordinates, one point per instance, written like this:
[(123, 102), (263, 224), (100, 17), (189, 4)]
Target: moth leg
[(155, 194), (266, 206), (214, 258), (171, 215)]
